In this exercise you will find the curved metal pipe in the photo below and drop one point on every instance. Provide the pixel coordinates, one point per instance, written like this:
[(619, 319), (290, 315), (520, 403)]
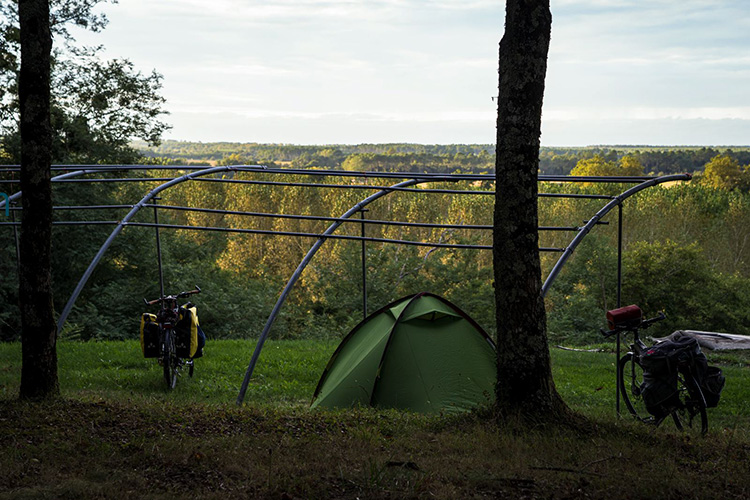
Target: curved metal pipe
[(76, 173), (117, 230), (598, 216), (305, 261)]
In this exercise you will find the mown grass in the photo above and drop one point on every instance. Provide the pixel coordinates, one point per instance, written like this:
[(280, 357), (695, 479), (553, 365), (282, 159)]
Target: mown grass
[(288, 371), (117, 433)]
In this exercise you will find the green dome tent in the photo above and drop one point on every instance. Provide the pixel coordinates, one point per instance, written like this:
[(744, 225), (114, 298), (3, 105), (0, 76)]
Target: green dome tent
[(420, 353)]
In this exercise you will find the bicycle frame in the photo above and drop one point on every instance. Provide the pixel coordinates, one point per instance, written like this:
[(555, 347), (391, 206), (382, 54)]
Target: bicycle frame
[(167, 318), (688, 396), (637, 348)]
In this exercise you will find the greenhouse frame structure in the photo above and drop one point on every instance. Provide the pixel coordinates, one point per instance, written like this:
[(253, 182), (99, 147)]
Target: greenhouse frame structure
[(399, 182)]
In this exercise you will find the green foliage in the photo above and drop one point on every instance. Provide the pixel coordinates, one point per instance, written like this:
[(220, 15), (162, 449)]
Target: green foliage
[(679, 280), (724, 172), (585, 290), (415, 162), (98, 106), (240, 159), (628, 165), (243, 274)]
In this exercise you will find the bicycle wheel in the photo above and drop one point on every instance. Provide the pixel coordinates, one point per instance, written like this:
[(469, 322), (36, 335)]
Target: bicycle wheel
[(691, 416), (169, 360), (631, 379)]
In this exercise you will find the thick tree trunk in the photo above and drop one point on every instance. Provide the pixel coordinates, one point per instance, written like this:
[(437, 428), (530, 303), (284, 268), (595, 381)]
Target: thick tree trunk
[(525, 386), (39, 358)]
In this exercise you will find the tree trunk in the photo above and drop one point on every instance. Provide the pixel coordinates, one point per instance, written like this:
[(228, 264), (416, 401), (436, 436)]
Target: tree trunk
[(525, 387), (39, 358)]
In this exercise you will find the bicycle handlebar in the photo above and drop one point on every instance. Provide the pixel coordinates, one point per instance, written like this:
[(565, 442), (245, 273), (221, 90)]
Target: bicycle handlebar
[(188, 293), (640, 326), (180, 295)]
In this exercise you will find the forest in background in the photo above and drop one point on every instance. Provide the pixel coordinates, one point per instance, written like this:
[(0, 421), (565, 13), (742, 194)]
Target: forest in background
[(475, 158), (687, 245)]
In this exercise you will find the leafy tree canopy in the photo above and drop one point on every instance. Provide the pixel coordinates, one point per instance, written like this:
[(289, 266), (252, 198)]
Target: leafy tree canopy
[(98, 106), (724, 172), (600, 166)]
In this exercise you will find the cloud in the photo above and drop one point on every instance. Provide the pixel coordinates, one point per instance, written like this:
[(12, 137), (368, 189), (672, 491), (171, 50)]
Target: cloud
[(242, 11), (372, 69), (332, 13)]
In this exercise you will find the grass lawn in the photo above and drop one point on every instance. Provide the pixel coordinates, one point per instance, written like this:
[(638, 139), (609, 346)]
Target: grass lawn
[(117, 433)]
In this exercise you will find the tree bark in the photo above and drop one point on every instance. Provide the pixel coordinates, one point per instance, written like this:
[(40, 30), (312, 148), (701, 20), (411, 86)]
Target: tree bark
[(38, 336), (525, 386)]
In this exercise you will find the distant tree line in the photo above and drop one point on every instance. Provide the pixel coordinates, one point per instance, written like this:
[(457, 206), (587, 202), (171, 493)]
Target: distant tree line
[(474, 158)]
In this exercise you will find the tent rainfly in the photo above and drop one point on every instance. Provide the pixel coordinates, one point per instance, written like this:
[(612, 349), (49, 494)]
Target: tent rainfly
[(420, 353)]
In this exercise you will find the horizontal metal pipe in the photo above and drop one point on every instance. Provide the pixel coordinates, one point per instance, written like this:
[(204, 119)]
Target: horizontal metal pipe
[(576, 195), (391, 188), (331, 186), (70, 223), (317, 235), (83, 207), (356, 221), (89, 180), (15, 196), (92, 207), (295, 217), (340, 186), (325, 219), (345, 173)]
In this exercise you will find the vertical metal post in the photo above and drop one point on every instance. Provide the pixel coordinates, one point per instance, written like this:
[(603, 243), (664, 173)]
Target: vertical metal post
[(364, 266), (619, 255), (619, 304), (158, 247)]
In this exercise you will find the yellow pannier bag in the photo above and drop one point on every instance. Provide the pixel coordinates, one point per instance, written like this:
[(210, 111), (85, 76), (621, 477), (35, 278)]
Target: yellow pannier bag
[(186, 338), (149, 336)]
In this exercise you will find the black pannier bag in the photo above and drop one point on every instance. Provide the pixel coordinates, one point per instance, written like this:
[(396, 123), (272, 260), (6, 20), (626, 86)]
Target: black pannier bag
[(710, 378), (661, 364), (669, 355), (182, 331), (660, 394), (149, 336)]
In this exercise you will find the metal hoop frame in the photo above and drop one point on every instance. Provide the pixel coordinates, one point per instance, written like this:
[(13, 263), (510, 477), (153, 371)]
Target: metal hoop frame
[(412, 180)]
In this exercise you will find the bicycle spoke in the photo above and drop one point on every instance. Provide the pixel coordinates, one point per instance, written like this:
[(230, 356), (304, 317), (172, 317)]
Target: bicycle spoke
[(631, 378), (691, 417)]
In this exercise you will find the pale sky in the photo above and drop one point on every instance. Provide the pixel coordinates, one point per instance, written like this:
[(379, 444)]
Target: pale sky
[(664, 72)]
